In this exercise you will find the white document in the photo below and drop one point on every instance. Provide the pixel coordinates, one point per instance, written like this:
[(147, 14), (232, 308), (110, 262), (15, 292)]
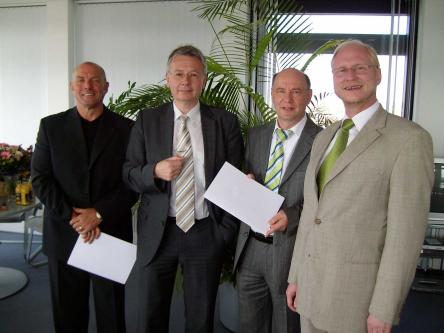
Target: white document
[(244, 198), (107, 256)]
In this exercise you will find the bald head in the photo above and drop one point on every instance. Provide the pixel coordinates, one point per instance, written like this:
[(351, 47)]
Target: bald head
[(90, 64), (293, 71), (89, 87), (291, 94)]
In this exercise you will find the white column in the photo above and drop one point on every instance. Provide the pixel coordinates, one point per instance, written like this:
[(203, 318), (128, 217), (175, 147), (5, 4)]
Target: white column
[(60, 54)]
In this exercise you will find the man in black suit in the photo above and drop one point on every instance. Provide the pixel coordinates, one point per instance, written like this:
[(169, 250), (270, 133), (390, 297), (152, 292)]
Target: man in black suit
[(181, 144), (77, 175)]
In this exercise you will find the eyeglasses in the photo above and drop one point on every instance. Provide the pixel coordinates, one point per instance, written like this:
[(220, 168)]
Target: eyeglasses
[(357, 69), (182, 75)]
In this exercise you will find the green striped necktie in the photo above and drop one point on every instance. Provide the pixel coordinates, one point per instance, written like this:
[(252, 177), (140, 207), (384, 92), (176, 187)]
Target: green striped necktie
[(274, 170)]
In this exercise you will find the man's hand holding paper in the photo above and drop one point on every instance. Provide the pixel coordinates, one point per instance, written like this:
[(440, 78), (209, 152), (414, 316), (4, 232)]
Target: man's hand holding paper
[(249, 201)]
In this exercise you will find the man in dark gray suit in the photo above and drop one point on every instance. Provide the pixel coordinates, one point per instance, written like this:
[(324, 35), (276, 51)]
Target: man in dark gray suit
[(174, 153), (277, 155)]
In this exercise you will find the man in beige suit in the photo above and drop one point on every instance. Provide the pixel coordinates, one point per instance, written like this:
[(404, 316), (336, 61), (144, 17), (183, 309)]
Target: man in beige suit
[(365, 214)]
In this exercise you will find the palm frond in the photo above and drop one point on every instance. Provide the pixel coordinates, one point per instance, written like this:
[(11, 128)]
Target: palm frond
[(133, 100), (329, 45), (238, 45), (211, 10), (317, 111)]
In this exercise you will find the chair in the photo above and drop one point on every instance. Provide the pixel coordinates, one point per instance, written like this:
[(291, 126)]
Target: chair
[(32, 248), (12, 219)]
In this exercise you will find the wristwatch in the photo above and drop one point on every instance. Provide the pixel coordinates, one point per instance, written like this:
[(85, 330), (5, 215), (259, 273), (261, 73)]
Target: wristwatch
[(99, 216)]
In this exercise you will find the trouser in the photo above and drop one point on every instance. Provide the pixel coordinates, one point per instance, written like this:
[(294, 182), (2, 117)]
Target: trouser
[(70, 288), (263, 307), (199, 254)]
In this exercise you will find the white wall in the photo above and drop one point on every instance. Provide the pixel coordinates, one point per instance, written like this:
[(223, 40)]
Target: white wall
[(42, 41), (133, 40), (428, 108), (23, 88)]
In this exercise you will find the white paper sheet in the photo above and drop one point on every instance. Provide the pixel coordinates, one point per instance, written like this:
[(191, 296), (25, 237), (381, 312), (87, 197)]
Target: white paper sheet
[(107, 256), (244, 198)]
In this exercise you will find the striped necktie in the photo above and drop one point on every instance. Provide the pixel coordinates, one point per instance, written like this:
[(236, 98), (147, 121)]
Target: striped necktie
[(335, 152), (185, 180), (274, 170)]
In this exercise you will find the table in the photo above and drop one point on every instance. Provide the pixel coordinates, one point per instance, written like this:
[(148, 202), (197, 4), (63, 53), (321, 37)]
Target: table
[(15, 210), (427, 278), (12, 280)]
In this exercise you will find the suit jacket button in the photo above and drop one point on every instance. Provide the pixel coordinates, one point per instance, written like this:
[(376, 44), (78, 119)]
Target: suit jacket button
[(318, 221)]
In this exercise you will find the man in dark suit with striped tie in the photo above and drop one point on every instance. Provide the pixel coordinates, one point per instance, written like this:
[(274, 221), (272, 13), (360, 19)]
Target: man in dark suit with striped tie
[(277, 155), (174, 153)]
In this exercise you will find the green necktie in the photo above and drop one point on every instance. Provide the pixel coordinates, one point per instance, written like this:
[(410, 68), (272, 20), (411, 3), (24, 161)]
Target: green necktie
[(276, 161), (335, 152)]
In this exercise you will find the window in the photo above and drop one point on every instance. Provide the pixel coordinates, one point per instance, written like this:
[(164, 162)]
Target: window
[(387, 28)]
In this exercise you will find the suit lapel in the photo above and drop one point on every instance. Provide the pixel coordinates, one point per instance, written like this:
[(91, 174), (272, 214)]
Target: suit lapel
[(369, 133), (301, 150), (160, 131), (264, 141), (322, 144), (103, 135), (166, 128), (209, 139), (317, 152)]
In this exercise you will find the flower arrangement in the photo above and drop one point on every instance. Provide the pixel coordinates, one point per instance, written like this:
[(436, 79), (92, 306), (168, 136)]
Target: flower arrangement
[(14, 159)]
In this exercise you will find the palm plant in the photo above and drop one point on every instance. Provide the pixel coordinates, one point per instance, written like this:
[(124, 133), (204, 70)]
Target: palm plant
[(259, 35), (259, 38)]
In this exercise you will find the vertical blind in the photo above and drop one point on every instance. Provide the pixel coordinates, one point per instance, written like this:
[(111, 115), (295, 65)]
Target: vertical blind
[(23, 93)]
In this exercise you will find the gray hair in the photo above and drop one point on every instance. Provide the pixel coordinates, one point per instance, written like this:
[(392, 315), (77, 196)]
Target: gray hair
[(370, 50), (188, 50)]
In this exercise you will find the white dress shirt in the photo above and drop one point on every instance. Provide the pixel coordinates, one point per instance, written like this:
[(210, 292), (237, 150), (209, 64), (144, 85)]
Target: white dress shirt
[(194, 126), (359, 120), (290, 143)]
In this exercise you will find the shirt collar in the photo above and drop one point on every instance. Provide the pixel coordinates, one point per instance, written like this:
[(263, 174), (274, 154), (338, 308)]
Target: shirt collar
[(192, 114), (362, 117), (296, 129)]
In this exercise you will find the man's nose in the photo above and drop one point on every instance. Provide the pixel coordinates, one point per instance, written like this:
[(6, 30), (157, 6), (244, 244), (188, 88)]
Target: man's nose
[(288, 96), (350, 73), (186, 79)]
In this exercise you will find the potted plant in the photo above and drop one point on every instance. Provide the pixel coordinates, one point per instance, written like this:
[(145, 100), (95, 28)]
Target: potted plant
[(14, 164)]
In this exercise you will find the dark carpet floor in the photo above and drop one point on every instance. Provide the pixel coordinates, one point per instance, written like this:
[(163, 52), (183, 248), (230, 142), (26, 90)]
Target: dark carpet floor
[(29, 310)]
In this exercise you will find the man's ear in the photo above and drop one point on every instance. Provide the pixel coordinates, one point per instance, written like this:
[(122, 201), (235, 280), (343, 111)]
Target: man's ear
[(309, 95), (379, 76), (204, 84), (167, 80)]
